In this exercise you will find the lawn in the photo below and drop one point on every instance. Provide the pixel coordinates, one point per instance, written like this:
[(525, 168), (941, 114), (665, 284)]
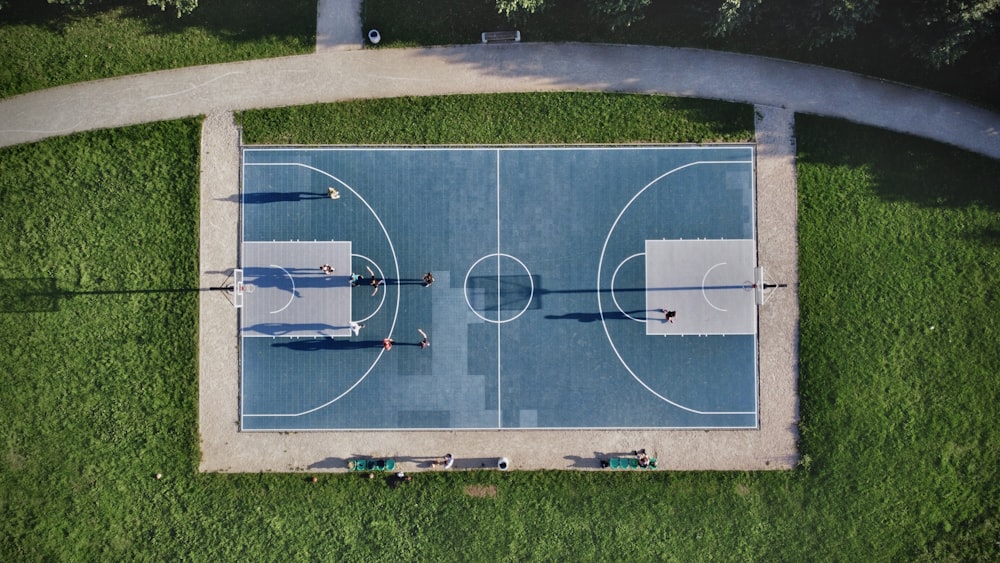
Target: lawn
[(44, 45), (98, 344)]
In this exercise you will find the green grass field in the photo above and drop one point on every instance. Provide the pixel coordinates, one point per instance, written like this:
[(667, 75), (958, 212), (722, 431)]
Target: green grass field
[(42, 46), (98, 263)]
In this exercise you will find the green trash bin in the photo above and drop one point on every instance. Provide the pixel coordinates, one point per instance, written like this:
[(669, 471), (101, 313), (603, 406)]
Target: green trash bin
[(390, 464)]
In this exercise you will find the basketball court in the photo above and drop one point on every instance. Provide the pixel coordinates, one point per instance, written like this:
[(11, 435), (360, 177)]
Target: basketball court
[(552, 267)]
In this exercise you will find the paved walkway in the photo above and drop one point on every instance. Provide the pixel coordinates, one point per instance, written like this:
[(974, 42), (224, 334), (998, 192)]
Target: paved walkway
[(338, 25), (329, 76)]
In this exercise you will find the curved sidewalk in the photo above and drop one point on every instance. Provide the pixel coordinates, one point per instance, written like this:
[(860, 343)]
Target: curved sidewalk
[(376, 73)]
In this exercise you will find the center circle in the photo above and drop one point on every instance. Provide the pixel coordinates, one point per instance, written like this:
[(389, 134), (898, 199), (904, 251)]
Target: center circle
[(492, 295)]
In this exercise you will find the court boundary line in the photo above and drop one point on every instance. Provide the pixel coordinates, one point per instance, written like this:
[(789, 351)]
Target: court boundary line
[(498, 150), (494, 430), (496, 147)]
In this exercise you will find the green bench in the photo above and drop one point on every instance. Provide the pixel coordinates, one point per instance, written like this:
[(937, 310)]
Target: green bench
[(371, 464), (630, 463)]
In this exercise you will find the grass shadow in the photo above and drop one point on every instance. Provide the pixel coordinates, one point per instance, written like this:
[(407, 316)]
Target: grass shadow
[(901, 167), (29, 295)]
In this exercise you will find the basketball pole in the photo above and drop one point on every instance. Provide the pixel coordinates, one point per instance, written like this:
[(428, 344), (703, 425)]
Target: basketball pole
[(761, 286), (227, 288)]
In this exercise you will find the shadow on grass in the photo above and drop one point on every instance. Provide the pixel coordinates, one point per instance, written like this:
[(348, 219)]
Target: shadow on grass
[(29, 295), (989, 236), (40, 295), (903, 168)]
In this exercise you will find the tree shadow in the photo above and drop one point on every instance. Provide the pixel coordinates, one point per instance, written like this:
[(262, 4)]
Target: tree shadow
[(901, 167)]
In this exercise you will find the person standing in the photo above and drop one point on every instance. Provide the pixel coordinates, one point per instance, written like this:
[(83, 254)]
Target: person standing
[(423, 343), (376, 281), (446, 462)]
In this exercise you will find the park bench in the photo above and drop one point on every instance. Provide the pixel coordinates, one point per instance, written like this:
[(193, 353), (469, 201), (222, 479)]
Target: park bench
[(371, 464), (502, 36), (630, 463)]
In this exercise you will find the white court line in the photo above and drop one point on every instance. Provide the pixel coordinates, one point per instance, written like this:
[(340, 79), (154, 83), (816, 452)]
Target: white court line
[(491, 428), (291, 296), (613, 297), (705, 295), (395, 262), (531, 294), (600, 268), (381, 275)]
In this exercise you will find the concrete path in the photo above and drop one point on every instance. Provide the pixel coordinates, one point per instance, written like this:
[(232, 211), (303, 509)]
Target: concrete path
[(331, 76), (338, 25)]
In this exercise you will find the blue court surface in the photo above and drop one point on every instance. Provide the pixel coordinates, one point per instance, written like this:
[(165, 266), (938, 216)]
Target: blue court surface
[(551, 266)]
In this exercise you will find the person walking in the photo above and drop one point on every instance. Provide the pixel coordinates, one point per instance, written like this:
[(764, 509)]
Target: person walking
[(668, 315)]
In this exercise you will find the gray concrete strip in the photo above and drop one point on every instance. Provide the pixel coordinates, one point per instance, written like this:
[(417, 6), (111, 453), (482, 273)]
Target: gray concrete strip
[(376, 73), (778, 255), (338, 25), (218, 347)]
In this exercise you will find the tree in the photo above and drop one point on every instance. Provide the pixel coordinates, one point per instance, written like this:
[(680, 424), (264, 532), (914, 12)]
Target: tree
[(515, 9), (732, 15), (817, 22), (617, 13), (943, 30), (938, 32)]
